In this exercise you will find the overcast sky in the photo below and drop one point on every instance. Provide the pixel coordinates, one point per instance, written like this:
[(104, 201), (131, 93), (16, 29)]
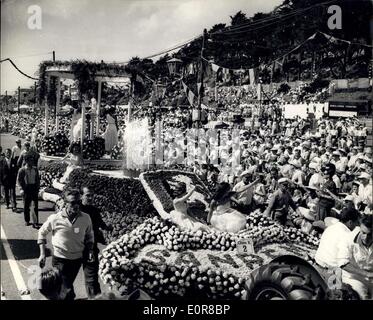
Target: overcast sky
[(111, 30)]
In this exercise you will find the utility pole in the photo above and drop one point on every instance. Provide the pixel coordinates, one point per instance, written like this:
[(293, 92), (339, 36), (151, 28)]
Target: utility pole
[(35, 95), (200, 95), (6, 100), (19, 99), (54, 56)]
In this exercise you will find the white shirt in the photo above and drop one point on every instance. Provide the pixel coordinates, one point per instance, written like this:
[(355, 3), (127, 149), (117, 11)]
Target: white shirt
[(316, 180), (337, 182), (365, 193), (16, 151), (244, 197), (352, 161), (298, 177), (333, 238), (354, 252)]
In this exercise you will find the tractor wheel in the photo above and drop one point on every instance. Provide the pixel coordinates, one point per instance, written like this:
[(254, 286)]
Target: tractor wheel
[(281, 281)]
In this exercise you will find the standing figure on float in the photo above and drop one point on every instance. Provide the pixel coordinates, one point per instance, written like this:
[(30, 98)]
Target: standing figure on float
[(111, 133)]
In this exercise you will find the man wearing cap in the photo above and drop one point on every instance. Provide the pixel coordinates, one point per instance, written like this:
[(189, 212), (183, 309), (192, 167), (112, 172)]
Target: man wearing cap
[(355, 257), (279, 203), (365, 189)]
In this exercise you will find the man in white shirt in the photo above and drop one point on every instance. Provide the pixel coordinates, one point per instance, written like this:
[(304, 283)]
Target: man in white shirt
[(316, 179), (328, 250), (16, 150), (353, 157), (365, 189), (355, 257), (245, 192)]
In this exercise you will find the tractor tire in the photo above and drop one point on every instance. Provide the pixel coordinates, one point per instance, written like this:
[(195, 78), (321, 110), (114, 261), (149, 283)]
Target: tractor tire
[(282, 281)]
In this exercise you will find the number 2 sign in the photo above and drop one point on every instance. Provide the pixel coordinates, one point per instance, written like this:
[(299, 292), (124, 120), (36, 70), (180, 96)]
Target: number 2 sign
[(245, 246)]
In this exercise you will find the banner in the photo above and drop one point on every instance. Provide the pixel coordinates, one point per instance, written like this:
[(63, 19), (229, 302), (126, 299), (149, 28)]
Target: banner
[(252, 76), (189, 93), (215, 67)]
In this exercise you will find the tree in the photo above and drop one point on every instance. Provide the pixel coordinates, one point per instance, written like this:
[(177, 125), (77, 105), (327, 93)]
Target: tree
[(238, 18), (217, 27)]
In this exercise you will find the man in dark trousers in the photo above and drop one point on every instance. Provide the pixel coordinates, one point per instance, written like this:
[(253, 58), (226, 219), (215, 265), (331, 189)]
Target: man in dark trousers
[(91, 268), (29, 180), (8, 178), (72, 235)]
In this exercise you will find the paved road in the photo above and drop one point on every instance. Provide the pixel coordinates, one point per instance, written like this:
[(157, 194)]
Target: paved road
[(19, 250)]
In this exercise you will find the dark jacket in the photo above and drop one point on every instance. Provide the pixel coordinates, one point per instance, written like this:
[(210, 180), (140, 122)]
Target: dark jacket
[(22, 175), (8, 174)]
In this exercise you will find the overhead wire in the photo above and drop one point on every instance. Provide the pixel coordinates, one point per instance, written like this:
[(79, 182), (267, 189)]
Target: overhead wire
[(20, 71)]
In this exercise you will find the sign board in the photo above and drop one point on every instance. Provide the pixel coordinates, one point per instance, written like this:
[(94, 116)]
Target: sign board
[(245, 246), (340, 113)]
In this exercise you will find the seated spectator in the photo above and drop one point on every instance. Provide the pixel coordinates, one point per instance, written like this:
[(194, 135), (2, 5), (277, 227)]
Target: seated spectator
[(355, 257), (327, 253)]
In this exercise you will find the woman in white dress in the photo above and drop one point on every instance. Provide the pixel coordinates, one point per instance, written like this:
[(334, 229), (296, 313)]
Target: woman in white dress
[(180, 216), (76, 123), (74, 160), (111, 133), (221, 216)]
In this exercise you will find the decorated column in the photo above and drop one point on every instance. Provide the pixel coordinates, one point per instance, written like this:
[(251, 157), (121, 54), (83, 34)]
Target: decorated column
[(58, 98), (98, 107)]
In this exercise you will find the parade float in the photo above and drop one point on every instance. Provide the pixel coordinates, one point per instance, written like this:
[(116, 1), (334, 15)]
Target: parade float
[(168, 261)]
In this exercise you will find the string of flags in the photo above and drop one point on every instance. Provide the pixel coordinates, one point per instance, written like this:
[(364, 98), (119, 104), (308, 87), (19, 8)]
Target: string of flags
[(249, 76), (276, 64)]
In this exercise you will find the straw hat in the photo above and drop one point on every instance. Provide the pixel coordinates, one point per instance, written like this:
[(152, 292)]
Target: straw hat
[(309, 213), (364, 175)]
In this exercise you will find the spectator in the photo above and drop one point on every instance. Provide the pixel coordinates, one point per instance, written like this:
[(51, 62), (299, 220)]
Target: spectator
[(72, 234), (51, 285), (245, 192), (91, 268), (365, 190), (355, 257), (8, 179), (327, 253), (31, 153), (17, 150), (29, 181), (279, 203)]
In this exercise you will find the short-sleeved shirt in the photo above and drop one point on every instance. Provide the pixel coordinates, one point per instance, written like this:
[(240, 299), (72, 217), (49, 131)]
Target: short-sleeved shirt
[(331, 241), (353, 251)]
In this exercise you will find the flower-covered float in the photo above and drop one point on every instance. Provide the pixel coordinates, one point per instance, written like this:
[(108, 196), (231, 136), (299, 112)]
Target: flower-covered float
[(169, 261)]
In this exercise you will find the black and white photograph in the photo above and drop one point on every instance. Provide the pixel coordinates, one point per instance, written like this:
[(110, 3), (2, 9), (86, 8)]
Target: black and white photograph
[(186, 150)]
